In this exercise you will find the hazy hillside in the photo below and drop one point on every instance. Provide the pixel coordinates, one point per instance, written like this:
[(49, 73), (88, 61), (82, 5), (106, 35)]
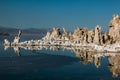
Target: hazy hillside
[(29, 31)]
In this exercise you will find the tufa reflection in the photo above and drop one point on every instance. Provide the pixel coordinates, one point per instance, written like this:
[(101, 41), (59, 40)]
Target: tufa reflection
[(114, 65), (86, 56)]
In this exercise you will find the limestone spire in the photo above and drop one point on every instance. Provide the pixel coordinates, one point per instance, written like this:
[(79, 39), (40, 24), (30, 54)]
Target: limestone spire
[(97, 34)]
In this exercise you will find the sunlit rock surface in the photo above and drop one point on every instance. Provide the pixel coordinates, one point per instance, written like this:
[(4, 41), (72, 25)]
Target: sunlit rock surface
[(114, 30), (97, 36)]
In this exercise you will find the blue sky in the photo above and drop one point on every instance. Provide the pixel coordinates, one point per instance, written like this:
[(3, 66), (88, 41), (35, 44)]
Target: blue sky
[(57, 13)]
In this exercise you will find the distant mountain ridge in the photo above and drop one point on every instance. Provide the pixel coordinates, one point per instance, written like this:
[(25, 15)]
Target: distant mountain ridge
[(24, 31)]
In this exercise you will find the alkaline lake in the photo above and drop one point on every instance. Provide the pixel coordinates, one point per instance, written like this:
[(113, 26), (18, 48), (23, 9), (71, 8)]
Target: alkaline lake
[(56, 63)]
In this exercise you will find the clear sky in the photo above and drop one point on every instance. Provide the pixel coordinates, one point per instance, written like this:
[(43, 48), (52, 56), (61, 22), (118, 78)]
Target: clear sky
[(57, 13)]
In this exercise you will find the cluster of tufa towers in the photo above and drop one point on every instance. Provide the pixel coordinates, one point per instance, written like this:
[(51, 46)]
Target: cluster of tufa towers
[(78, 36), (83, 35)]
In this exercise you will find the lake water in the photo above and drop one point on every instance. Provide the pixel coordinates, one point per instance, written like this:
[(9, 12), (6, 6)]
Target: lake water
[(56, 63)]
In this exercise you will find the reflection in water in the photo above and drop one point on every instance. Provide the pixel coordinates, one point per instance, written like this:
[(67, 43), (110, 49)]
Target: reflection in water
[(26, 64), (17, 50), (83, 54), (6, 47), (114, 65), (113, 58), (88, 57)]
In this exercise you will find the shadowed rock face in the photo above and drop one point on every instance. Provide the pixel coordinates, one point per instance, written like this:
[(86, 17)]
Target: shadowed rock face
[(106, 38)]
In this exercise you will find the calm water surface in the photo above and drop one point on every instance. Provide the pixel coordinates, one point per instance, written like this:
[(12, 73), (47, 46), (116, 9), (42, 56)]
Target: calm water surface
[(56, 63)]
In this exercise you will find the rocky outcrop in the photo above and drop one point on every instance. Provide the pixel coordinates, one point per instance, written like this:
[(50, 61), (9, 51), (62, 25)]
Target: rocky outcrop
[(77, 35), (80, 35), (114, 31), (47, 36), (65, 35), (97, 37), (56, 33), (17, 39), (90, 36)]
